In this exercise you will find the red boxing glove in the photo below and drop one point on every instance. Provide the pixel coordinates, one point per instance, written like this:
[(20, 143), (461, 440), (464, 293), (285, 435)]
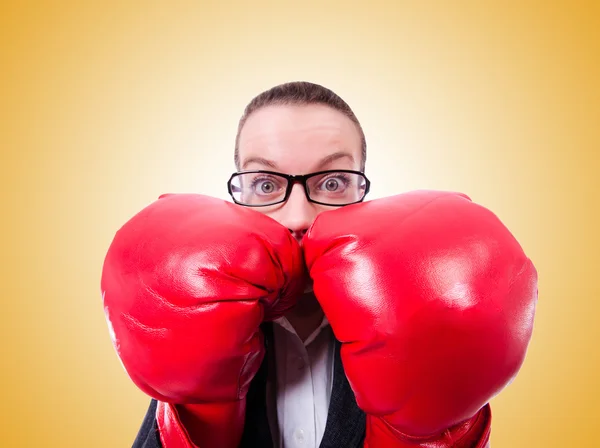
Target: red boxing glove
[(433, 300), (186, 284)]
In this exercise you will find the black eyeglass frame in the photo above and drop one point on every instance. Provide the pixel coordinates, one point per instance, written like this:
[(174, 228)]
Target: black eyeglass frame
[(292, 179)]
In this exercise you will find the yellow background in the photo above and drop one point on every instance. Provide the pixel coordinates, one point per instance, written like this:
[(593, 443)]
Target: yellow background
[(105, 106)]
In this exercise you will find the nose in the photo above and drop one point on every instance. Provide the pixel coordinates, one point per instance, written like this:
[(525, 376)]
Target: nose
[(298, 213)]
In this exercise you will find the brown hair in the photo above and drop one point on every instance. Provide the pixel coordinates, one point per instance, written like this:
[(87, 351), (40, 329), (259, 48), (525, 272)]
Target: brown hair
[(299, 93)]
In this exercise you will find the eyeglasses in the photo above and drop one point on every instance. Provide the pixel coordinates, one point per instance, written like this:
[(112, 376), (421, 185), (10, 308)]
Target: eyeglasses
[(261, 188)]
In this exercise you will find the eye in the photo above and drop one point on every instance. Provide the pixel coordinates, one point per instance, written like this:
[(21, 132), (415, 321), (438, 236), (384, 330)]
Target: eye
[(267, 186), (262, 186), (335, 184), (331, 184)]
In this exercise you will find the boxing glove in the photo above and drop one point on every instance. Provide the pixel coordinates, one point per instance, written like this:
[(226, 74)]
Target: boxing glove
[(186, 284), (433, 300)]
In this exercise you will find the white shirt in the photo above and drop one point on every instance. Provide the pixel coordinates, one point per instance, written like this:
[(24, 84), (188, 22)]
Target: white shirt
[(304, 383)]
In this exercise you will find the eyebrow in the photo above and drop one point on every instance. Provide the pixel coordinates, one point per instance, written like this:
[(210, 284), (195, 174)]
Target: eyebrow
[(333, 157), (261, 161), (324, 161)]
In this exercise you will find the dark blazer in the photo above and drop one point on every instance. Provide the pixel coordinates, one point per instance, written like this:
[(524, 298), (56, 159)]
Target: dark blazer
[(345, 427)]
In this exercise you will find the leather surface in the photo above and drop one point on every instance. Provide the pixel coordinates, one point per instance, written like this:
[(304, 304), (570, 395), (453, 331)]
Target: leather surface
[(433, 300), (186, 284)]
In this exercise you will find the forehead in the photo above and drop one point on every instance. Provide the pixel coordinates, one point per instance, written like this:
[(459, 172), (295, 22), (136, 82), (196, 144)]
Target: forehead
[(297, 137)]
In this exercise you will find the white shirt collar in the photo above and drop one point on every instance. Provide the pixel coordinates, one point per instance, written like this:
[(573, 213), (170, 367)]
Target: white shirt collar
[(285, 324)]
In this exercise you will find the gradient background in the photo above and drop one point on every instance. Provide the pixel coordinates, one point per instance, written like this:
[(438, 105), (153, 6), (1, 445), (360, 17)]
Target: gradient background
[(105, 106)]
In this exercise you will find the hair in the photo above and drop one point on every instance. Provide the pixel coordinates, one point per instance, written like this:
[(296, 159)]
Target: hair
[(299, 93)]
